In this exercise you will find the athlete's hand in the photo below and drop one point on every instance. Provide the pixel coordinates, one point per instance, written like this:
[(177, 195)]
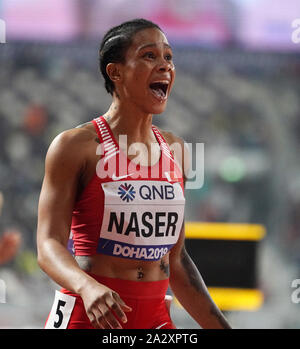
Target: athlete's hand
[(104, 306)]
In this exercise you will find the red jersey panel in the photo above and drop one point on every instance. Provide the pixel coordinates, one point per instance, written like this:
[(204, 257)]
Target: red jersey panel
[(128, 210)]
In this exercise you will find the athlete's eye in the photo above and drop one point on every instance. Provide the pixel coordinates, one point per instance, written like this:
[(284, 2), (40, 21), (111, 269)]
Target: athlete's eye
[(149, 55), (169, 57)]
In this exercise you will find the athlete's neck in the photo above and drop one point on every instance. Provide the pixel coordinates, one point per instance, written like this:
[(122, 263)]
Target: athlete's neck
[(129, 121)]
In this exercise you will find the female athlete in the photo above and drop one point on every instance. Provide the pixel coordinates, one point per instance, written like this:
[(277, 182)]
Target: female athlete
[(117, 186)]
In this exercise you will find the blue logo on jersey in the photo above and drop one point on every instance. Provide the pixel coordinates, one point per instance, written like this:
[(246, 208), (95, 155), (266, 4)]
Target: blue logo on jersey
[(126, 192)]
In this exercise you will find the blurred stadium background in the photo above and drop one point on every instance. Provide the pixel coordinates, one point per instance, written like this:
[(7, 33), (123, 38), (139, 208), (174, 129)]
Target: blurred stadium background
[(237, 91)]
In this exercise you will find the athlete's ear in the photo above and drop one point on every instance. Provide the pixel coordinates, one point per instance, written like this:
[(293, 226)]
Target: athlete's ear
[(113, 71)]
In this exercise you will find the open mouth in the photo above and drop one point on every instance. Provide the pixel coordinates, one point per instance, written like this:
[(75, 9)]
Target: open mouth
[(159, 89)]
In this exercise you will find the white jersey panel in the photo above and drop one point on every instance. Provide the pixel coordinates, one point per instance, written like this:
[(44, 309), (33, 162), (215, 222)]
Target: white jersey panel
[(142, 219)]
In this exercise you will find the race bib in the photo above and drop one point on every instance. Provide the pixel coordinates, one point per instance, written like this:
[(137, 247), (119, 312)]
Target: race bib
[(61, 311), (142, 219)]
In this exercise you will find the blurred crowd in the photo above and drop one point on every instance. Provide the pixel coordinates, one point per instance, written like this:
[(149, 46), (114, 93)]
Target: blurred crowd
[(9, 242)]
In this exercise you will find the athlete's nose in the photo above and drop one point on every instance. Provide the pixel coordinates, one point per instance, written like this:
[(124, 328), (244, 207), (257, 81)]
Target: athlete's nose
[(165, 66)]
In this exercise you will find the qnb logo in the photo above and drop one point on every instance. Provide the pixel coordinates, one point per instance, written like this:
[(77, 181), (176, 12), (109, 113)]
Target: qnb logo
[(126, 192), (2, 32), (2, 291)]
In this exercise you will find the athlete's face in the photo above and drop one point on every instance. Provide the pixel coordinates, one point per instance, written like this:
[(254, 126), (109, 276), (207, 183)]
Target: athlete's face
[(148, 72)]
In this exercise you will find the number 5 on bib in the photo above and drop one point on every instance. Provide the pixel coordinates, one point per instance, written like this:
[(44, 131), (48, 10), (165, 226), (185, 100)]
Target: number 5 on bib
[(61, 311)]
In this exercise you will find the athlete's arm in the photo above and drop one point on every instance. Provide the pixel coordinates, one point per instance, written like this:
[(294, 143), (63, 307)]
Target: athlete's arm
[(190, 290), (65, 162), (186, 281)]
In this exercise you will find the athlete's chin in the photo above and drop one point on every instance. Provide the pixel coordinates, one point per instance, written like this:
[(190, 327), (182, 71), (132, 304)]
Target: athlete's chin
[(158, 109)]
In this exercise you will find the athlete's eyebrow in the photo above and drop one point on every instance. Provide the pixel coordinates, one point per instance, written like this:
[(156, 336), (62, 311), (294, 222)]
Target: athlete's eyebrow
[(154, 45)]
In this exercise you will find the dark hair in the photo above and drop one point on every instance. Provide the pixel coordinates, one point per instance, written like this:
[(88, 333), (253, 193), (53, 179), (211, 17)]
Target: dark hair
[(115, 44)]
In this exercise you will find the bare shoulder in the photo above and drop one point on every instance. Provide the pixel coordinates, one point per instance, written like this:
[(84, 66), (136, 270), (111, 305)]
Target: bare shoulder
[(72, 144), (171, 138), (74, 137), (179, 148), (176, 143)]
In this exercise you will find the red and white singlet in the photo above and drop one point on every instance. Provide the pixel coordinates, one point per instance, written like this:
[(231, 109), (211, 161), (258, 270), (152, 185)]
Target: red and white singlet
[(128, 210)]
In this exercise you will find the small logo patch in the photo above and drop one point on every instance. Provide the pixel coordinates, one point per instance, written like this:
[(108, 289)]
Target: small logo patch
[(126, 192)]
